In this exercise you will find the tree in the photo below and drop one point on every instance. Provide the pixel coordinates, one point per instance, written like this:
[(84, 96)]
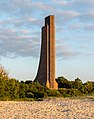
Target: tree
[(89, 86), (77, 84), (2, 88), (3, 73), (12, 88), (63, 82), (23, 89)]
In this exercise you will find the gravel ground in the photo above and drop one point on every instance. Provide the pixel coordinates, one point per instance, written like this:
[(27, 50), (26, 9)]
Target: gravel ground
[(56, 108)]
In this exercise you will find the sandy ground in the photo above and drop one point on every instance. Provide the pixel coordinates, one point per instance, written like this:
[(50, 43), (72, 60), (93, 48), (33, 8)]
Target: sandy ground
[(47, 109)]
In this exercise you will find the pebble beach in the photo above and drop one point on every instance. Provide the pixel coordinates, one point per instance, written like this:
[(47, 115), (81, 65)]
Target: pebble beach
[(55, 108)]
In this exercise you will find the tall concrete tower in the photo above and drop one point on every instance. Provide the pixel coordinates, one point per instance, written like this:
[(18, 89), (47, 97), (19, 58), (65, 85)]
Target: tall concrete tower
[(46, 71)]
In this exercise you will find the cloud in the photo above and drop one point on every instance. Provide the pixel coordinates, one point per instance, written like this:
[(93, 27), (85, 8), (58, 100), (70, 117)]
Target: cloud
[(16, 7), (64, 52), (62, 3), (80, 5), (86, 50), (87, 2), (89, 27), (22, 20), (85, 47), (74, 26), (70, 14), (24, 8), (43, 6), (87, 16), (13, 45), (64, 17), (83, 10), (19, 23)]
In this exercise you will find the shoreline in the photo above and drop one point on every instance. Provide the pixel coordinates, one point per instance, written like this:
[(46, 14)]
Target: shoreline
[(54, 108)]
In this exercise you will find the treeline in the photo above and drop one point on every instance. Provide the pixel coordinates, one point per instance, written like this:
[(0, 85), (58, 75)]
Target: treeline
[(12, 89), (74, 88)]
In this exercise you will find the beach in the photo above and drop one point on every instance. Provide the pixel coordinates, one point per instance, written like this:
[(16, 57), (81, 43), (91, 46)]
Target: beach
[(54, 108)]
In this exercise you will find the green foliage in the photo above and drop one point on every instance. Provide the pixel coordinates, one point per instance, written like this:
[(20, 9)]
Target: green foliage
[(74, 92), (63, 82), (12, 89), (22, 90), (3, 73), (52, 93), (38, 94), (29, 95), (2, 88), (70, 92), (77, 84), (64, 92), (87, 87)]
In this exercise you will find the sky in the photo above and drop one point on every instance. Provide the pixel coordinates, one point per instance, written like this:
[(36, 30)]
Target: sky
[(20, 37)]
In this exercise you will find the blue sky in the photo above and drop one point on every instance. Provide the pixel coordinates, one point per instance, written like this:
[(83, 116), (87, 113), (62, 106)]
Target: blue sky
[(20, 37)]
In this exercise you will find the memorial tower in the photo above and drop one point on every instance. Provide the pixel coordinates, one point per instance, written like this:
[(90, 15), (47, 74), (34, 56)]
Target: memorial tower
[(46, 71)]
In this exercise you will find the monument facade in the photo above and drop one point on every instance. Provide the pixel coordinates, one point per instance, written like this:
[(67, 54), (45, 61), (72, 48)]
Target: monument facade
[(46, 71)]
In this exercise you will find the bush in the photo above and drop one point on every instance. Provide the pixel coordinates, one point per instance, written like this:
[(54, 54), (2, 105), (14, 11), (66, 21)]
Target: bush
[(29, 95), (53, 93), (64, 92), (69, 92), (38, 95), (74, 92), (3, 73)]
